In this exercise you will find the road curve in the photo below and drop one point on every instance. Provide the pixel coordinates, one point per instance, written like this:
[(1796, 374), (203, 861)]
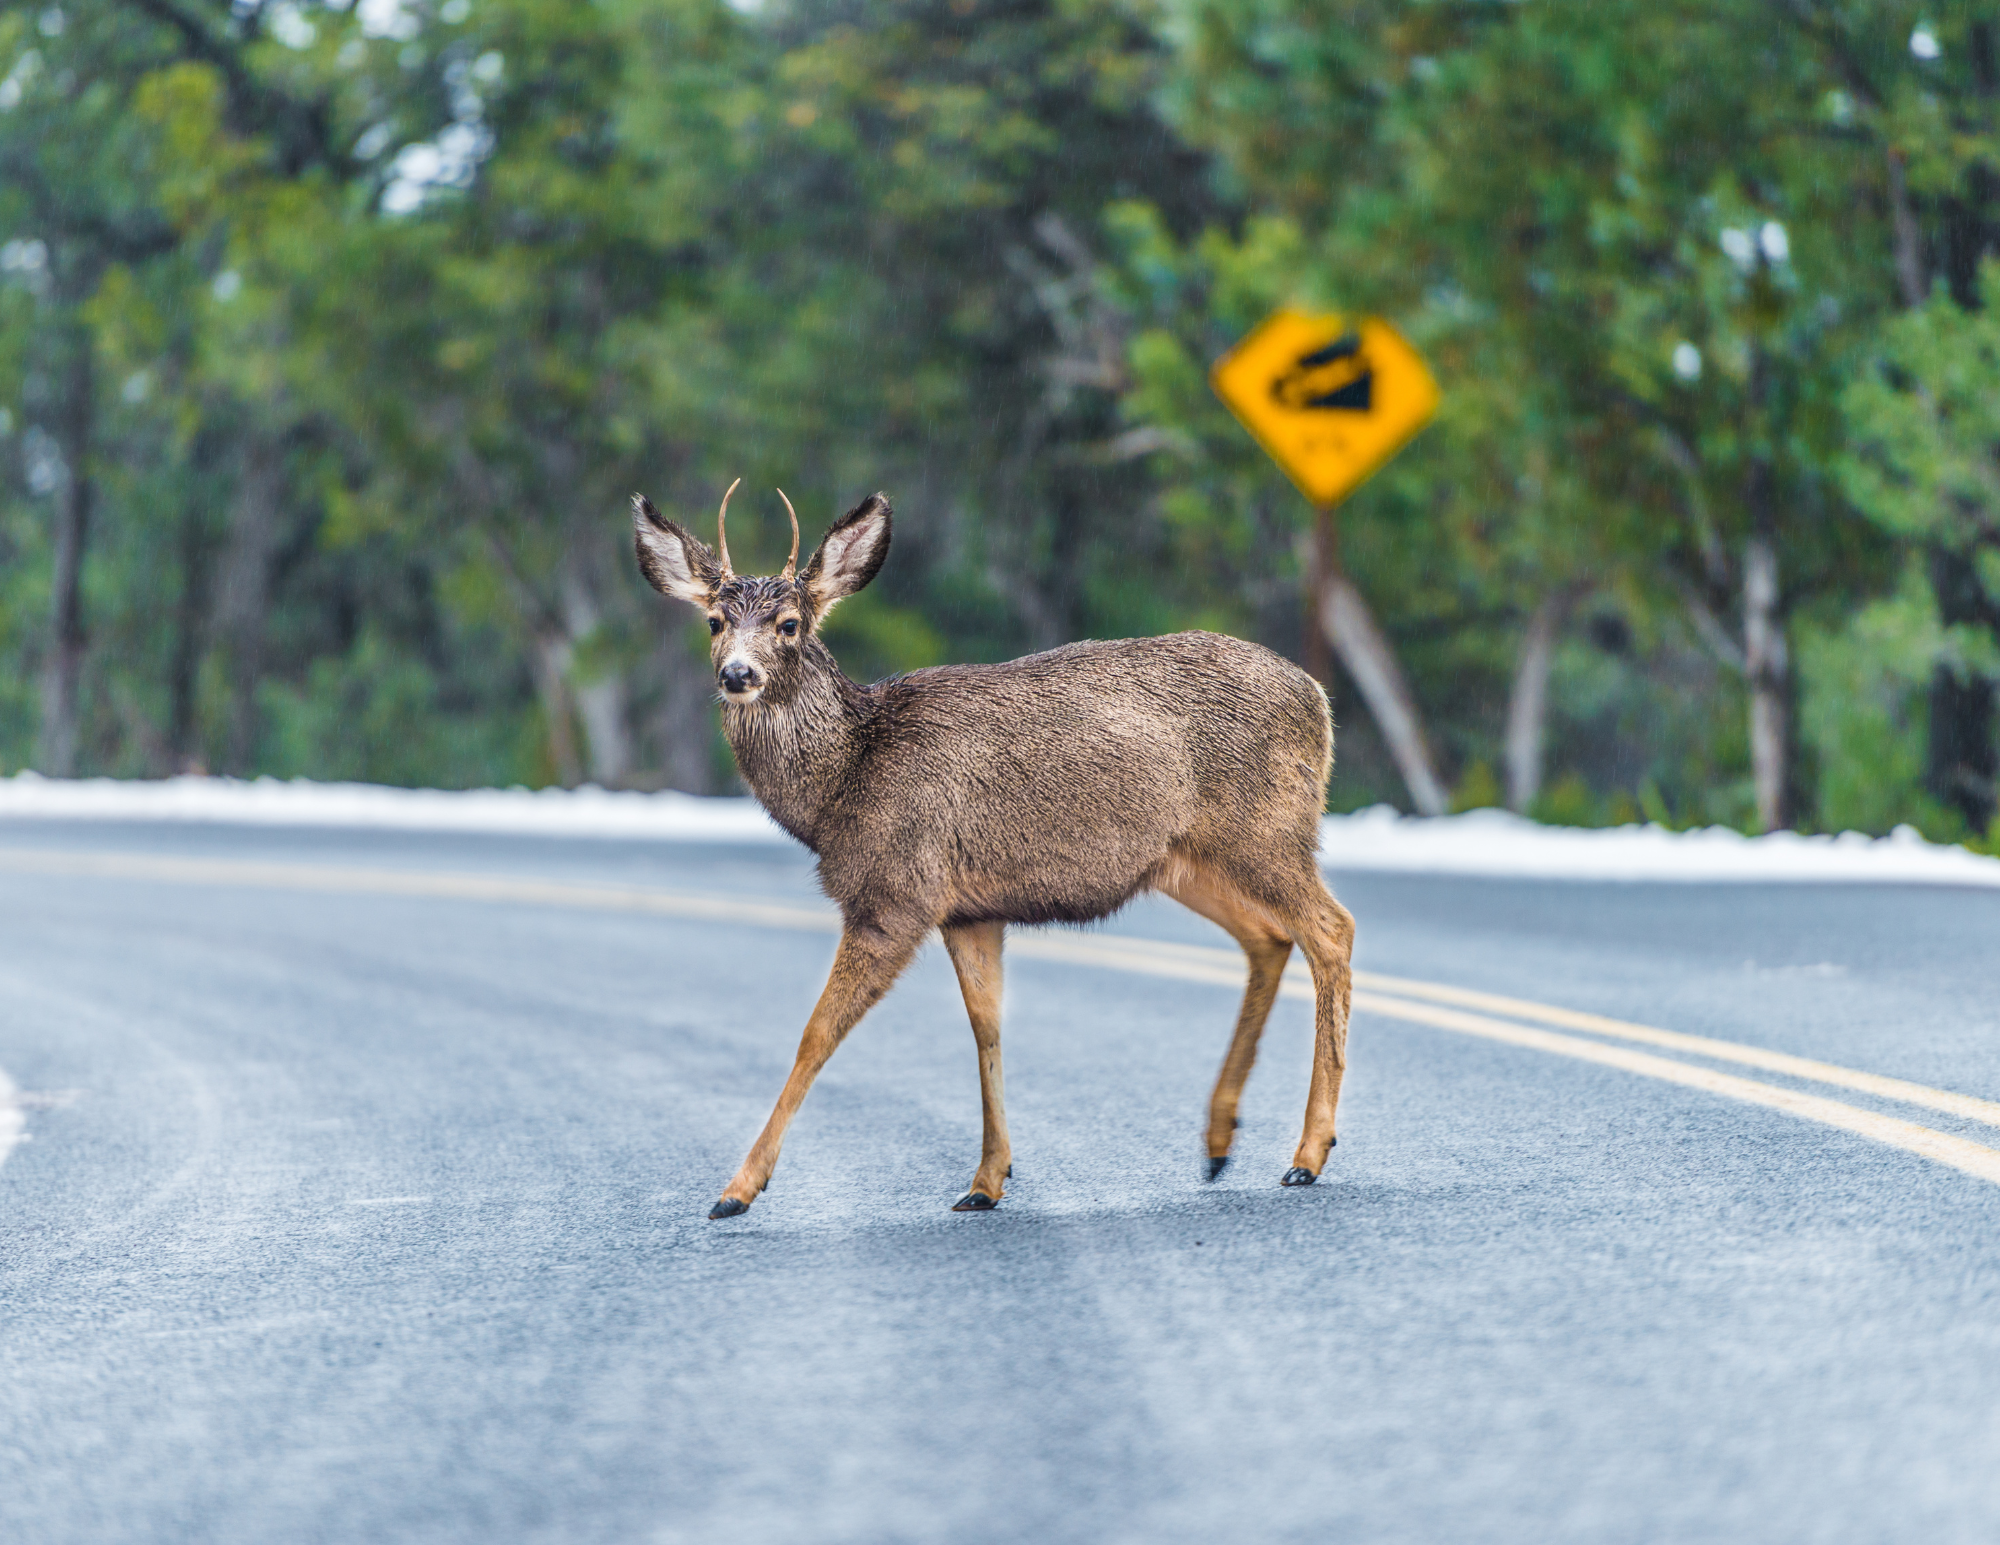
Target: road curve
[(357, 1211)]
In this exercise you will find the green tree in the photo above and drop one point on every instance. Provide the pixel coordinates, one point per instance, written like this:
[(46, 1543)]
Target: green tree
[(76, 164), (1917, 92)]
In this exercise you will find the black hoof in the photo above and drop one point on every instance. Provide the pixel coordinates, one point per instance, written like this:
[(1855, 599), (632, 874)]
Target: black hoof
[(1298, 1177), (975, 1201), (728, 1207), (1217, 1166)]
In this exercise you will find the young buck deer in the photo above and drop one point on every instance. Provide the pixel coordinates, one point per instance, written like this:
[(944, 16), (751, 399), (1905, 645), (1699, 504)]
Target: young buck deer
[(1052, 789)]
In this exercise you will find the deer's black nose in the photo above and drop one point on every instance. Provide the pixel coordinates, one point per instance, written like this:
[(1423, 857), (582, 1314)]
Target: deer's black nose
[(738, 677)]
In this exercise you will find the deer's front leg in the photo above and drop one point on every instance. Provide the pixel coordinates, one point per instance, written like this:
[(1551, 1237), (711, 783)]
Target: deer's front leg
[(975, 954), (871, 956)]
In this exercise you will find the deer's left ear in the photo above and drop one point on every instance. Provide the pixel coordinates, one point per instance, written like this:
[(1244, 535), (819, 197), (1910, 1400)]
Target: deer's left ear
[(851, 555), (674, 560)]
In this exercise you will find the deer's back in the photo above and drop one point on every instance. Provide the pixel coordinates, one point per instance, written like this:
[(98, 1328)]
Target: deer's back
[(1053, 788)]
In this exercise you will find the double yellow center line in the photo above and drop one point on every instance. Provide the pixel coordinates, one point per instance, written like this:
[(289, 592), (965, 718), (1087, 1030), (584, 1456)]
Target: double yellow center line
[(1445, 1008), (1511, 1021)]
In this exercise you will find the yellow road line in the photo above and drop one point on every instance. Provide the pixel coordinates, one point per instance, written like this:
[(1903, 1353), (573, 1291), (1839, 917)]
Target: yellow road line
[(1225, 968), (1969, 1106), (1153, 957), (340, 880), (1193, 962), (1973, 1158)]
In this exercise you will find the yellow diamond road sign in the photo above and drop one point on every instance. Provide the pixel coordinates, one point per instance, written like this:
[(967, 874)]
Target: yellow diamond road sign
[(1330, 399)]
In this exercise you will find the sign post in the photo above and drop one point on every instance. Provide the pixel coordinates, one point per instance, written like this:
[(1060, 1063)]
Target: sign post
[(1331, 400)]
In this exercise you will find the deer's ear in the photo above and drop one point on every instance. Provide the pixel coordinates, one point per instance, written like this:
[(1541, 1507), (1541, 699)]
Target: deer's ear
[(850, 556), (674, 561)]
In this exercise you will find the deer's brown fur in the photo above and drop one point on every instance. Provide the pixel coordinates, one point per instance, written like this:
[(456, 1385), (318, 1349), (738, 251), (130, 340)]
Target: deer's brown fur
[(1049, 789)]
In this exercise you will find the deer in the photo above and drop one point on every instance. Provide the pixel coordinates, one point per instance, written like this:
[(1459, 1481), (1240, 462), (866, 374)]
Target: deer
[(961, 799)]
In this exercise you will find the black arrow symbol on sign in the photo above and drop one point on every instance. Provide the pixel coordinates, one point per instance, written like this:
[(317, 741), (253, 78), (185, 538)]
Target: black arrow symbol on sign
[(1336, 376)]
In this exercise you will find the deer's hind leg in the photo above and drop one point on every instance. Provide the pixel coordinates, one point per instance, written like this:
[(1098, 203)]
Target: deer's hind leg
[(1325, 932), (1266, 946), (975, 955)]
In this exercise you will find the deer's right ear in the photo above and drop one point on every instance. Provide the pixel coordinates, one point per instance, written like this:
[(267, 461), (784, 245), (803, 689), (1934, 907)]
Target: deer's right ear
[(674, 561), (851, 555)]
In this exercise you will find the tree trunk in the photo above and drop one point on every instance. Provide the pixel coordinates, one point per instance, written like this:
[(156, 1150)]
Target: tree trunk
[(1767, 665), (1371, 662), (190, 627), (1527, 706), (1907, 241), (61, 729), (243, 600), (601, 701), (552, 660), (1963, 764), (1766, 656), (686, 716), (601, 705)]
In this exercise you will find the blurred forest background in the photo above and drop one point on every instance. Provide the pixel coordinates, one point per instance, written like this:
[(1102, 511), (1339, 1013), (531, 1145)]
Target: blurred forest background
[(333, 337)]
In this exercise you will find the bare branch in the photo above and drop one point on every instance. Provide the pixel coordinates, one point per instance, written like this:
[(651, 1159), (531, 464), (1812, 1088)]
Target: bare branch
[(1143, 441), (1709, 628), (1909, 244)]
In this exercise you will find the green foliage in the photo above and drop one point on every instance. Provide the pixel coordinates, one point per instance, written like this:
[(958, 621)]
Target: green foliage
[(876, 639), (373, 714), (1924, 422), (1863, 711), (1478, 789)]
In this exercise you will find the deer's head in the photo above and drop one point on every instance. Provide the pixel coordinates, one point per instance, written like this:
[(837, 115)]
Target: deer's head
[(762, 629)]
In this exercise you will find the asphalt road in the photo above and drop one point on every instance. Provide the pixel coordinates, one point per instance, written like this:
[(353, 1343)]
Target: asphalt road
[(357, 1216)]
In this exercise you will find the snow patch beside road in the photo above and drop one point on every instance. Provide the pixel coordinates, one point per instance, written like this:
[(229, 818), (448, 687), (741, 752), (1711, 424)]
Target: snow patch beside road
[(1480, 842), (1498, 844), (585, 812)]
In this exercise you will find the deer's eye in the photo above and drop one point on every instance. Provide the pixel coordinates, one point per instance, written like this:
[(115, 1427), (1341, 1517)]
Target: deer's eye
[(714, 625), (789, 627)]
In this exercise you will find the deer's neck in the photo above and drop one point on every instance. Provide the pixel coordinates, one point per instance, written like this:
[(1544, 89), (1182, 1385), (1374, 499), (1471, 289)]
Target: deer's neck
[(795, 753)]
